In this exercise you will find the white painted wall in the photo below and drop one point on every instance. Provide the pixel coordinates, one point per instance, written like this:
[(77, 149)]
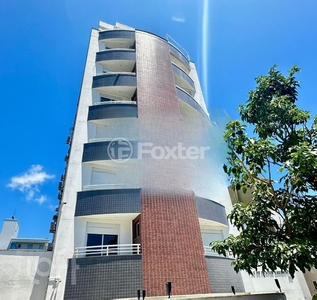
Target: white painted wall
[(114, 128), (64, 239), (83, 226), (9, 230), (306, 284), (309, 278), (199, 97), (291, 287), (24, 274)]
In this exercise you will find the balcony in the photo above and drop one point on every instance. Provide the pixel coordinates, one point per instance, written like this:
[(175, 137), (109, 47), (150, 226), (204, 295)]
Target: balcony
[(179, 59), (113, 199), (113, 110), (119, 149), (209, 252), (108, 186), (183, 80), (107, 250), (117, 60), (118, 38), (188, 99), (121, 85)]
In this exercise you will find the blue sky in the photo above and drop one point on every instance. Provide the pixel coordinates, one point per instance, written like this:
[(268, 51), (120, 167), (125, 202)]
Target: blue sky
[(42, 55)]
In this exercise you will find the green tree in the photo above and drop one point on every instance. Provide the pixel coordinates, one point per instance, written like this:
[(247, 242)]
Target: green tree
[(278, 164)]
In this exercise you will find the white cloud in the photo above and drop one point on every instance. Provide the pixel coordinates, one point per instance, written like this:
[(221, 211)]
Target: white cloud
[(40, 199), (178, 17), (29, 182)]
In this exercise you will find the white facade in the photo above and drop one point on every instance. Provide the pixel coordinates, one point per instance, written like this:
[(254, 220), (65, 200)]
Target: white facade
[(294, 289), (10, 229), (23, 274), (65, 237)]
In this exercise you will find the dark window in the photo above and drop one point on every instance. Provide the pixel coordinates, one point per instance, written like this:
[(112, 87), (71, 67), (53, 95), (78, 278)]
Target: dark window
[(137, 229), (98, 241), (94, 240), (134, 97)]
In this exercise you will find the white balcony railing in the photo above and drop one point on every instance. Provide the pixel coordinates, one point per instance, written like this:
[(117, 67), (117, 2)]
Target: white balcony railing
[(109, 186), (105, 250), (210, 252)]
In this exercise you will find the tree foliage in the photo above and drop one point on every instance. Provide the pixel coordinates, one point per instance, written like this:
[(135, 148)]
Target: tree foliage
[(278, 164)]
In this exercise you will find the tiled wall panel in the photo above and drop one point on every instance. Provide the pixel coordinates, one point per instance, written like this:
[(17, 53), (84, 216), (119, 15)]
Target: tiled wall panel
[(179, 72), (102, 150), (116, 34), (116, 54), (108, 202), (109, 111), (110, 80), (222, 276), (183, 96), (210, 210), (109, 277)]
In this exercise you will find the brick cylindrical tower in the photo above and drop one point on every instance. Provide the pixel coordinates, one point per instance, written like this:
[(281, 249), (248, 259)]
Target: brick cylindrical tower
[(172, 248)]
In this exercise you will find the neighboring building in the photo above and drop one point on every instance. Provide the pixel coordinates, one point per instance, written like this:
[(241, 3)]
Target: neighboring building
[(24, 264), (9, 238), (301, 287), (143, 194)]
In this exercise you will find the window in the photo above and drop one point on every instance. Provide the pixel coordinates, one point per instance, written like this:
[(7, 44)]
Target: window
[(211, 235), (13, 246), (137, 229), (101, 240), (29, 246), (315, 284)]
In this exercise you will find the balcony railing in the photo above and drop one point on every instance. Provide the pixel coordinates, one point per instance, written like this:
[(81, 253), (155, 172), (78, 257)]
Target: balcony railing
[(106, 250), (108, 186), (210, 252)]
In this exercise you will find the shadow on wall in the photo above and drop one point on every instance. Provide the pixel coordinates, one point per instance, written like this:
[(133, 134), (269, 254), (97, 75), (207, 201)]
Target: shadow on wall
[(41, 279)]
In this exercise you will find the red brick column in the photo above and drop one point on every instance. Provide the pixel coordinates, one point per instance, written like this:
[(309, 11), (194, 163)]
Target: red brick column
[(172, 247), (171, 244)]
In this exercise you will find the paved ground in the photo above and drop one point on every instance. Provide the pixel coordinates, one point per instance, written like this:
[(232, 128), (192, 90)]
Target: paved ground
[(238, 296)]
